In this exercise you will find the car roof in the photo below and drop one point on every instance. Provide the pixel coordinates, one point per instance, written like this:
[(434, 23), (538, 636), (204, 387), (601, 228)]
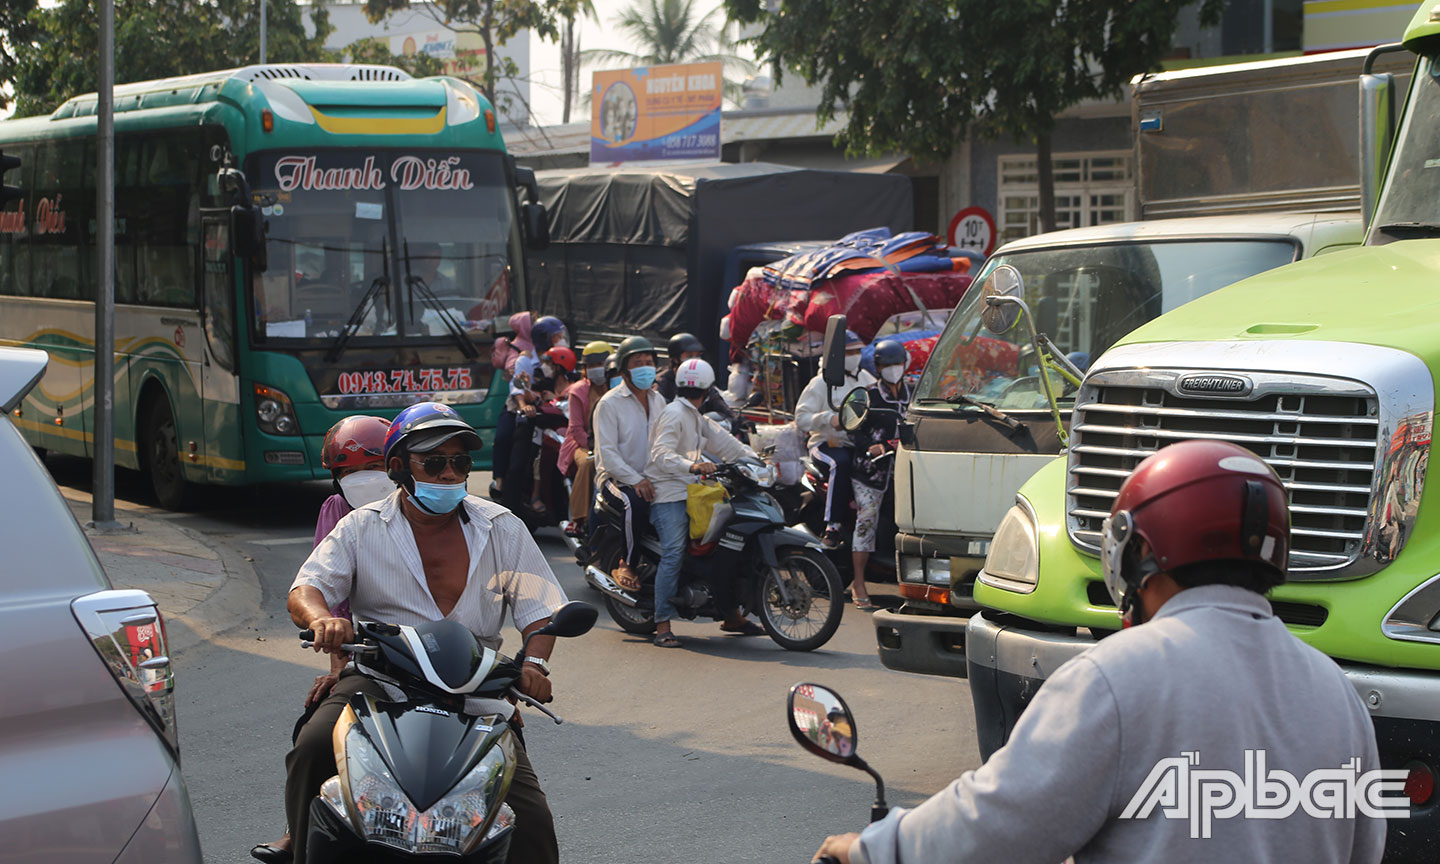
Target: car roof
[(1238, 226), (20, 369)]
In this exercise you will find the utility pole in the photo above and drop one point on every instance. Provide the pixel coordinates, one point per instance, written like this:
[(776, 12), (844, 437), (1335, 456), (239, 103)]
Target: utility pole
[(103, 440), (263, 4)]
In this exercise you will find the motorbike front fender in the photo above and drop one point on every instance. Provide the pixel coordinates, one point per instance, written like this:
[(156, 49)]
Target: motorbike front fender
[(772, 540)]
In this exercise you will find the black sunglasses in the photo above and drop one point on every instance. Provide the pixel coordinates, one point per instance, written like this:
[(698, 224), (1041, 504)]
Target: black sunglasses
[(433, 465)]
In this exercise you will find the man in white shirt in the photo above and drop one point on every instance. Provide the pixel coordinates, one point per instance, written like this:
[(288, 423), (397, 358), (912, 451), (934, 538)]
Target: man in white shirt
[(829, 445), (624, 419), (683, 437), (428, 552)]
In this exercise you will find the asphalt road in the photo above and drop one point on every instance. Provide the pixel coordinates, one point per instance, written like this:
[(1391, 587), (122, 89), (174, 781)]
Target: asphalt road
[(664, 756)]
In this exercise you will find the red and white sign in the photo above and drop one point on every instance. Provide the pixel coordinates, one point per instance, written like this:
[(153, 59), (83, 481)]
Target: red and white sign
[(973, 228)]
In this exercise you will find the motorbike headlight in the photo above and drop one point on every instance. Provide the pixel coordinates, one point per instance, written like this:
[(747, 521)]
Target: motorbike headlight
[(1014, 560), (457, 823), (762, 474)]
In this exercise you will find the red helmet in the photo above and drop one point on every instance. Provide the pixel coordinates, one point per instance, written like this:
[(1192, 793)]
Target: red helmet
[(562, 357), (357, 440), (1190, 502)]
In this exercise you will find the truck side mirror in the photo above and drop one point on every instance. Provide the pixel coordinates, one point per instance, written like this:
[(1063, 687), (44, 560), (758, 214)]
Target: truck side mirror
[(1000, 289), (832, 355), (1377, 126)]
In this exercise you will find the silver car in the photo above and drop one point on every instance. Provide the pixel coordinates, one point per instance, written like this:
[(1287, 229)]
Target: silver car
[(88, 747)]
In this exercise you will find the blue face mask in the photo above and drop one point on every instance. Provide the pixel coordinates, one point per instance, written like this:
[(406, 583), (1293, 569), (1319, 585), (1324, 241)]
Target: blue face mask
[(616, 382), (642, 377), (439, 498)]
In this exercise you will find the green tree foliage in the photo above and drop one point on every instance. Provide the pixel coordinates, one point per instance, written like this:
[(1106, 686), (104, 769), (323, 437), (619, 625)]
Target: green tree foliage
[(377, 51), (56, 55), (495, 21), (15, 28), (915, 76), (674, 31)]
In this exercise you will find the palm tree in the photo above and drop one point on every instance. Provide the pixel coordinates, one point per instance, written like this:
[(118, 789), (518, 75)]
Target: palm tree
[(674, 31), (570, 56)]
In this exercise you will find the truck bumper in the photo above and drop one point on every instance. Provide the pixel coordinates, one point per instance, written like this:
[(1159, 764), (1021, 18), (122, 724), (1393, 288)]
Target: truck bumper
[(1007, 663), (916, 642)]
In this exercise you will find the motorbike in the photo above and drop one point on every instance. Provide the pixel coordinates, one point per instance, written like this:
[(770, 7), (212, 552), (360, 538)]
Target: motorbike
[(822, 724), (782, 574), (539, 479), (804, 504), (424, 777)]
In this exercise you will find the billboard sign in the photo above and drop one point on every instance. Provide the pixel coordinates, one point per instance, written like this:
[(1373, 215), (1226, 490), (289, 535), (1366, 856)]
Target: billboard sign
[(656, 113)]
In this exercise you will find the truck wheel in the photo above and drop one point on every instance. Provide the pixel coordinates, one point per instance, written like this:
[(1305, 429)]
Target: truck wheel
[(160, 454), (639, 622), (812, 613)]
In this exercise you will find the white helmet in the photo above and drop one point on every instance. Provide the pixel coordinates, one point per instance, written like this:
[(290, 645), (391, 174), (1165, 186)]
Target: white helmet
[(695, 373)]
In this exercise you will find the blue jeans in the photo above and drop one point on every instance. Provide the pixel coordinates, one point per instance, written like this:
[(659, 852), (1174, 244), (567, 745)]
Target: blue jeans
[(672, 523)]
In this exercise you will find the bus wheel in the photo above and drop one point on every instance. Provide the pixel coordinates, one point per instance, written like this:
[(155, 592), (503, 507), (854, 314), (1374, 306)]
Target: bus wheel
[(161, 456)]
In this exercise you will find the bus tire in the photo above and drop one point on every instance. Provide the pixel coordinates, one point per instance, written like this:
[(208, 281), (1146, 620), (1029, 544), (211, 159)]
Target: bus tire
[(160, 456)]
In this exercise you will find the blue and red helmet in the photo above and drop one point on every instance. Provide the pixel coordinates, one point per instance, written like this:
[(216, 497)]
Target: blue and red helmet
[(544, 331), (426, 425)]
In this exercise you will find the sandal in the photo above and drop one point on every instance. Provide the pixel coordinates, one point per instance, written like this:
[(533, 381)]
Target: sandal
[(625, 578), (746, 628), (667, 640), (864, 605)]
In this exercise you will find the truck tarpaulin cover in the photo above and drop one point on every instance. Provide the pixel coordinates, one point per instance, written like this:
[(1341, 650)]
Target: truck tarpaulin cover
[(643, 249)]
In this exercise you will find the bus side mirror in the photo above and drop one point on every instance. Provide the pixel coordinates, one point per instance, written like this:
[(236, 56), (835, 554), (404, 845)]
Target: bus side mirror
[(832, 356), (247, 236), (537, 225)]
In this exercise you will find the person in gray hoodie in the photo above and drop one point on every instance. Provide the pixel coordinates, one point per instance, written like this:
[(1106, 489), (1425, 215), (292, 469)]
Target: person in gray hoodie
[(1194, 737)]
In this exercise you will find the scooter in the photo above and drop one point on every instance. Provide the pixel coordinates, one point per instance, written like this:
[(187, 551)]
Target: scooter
[(781, 573), (421, 777), (822, 723), (547, 432)]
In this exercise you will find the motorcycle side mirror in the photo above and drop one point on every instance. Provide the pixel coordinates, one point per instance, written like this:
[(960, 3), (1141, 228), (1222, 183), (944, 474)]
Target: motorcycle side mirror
[(854, 408), (822, 723), (832, 355), (1001, 288), (573, 619)]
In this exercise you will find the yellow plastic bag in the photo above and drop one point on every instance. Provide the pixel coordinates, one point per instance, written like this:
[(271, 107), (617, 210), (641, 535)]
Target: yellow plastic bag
[(700, 501)]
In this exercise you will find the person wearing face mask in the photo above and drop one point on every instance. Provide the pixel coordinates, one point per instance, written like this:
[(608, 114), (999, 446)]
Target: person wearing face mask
[(575, 459), (428, 551), (875, 443), (829, 445), (625, 418), (538, 412), (686, 346), (353, 452)]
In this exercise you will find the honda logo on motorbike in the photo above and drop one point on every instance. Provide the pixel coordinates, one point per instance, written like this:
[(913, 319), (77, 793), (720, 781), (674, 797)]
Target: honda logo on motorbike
[(1210, 384)]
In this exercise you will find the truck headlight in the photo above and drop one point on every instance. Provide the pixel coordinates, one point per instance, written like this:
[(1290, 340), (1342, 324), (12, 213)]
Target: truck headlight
[(922, 571), (457, 823), (1014, 560)]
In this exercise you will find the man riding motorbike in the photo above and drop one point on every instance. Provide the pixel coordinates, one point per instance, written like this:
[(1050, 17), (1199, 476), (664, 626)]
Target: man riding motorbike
[(1196, 536), (684, 439), (829, 445), (426, 552), (625, 417)]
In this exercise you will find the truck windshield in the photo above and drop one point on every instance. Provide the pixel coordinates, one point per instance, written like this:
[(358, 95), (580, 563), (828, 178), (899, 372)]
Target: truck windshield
[(395, 241), (1085, 299), (1410, 204)]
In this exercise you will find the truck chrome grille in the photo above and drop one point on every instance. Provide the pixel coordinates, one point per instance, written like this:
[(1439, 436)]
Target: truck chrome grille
[(1319, 434)]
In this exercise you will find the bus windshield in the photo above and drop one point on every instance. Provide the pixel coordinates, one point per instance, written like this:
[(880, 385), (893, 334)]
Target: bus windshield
[(384, 246), (1085, 299)]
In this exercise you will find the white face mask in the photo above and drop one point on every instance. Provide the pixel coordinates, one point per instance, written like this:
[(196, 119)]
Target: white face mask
[(365, 487), (596, 374), (852, 363), (548, 369), (893, 374)]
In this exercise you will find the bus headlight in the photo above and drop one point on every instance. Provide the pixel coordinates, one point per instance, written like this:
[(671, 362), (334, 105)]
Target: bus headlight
[(1014, 560), (274, 412)]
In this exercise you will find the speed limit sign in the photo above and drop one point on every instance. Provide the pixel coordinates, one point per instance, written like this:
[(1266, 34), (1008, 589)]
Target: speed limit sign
[(973, 228)]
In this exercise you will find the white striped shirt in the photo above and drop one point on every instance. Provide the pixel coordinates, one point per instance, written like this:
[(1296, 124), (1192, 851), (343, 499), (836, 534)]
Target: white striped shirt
[(371, 558)]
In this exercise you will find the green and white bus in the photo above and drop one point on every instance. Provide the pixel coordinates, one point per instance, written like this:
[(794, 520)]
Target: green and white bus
[(391, 248)]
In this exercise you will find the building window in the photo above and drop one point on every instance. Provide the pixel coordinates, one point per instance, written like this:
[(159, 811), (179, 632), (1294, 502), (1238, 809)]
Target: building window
[(1090, 189)]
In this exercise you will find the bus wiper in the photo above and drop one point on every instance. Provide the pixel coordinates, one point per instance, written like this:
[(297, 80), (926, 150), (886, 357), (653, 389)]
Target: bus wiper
[(412, 282), (337, 347), (990, 410), (1430, 228)]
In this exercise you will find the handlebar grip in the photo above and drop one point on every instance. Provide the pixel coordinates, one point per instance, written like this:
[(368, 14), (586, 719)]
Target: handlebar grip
[(307, 635)]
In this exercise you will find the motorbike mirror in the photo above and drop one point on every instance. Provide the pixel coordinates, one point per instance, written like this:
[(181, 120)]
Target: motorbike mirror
[(832, 356), (573, 619), (854, 408), (1001, 286), (822, 723)]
